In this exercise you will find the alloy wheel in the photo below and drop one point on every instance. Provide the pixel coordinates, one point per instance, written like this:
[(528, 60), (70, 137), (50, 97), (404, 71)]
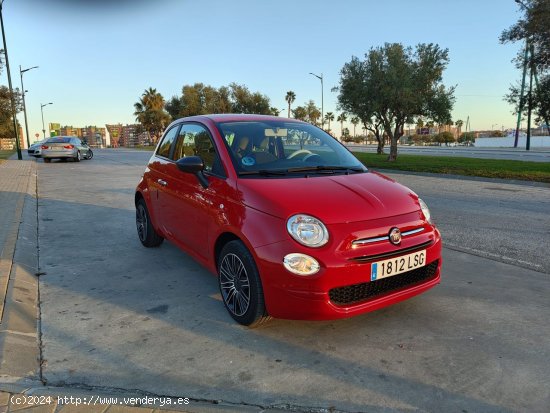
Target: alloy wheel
[(141, 223), (235, 285)]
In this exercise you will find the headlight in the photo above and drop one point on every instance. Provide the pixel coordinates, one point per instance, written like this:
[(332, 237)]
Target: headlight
[(425, 210), (307, 230), (301, 264)]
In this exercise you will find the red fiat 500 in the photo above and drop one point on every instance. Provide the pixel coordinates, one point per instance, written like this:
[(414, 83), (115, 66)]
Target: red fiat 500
[(291, 222)]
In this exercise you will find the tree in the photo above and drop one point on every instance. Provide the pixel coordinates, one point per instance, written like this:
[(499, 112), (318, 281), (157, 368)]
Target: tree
[(540, 100), (354, 98), (274, 111), (6, 113), (342, 117), (313, 112), (445, 137), (535, 28), (200, 99), (329, 117), (458, 125), (243, 101), (174, 107), (150, 112), (355, 121), (290, 98), (467, 137), (300, 113), (395, 85)]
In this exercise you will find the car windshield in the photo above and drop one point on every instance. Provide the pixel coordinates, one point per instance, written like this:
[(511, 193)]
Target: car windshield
[(285, 148)]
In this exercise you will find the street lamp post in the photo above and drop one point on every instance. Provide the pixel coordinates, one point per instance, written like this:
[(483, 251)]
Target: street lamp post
[(21, 71), (322, 97), (42, 112), (19, 156)]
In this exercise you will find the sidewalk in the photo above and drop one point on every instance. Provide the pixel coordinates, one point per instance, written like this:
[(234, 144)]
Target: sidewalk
[(22, 387)]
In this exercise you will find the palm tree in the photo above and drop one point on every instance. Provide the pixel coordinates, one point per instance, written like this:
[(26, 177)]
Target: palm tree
[(150, 112), (355, 120), (342, 117), (329, 116), (459, 124), (313, 112), (290, 98)]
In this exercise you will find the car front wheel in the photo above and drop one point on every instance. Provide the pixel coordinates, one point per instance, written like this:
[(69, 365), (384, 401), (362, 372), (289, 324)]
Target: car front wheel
[(146, 233), (240, 285)]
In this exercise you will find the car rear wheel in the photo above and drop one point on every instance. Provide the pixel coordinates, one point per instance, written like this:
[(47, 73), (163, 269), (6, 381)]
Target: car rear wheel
[(146, 233), (78, 157), (240, 285)]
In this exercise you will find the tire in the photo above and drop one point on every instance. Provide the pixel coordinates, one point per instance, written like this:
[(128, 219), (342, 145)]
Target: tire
[(146, 233), (90, 154), (240, 285), (78, 156), (47, 160)]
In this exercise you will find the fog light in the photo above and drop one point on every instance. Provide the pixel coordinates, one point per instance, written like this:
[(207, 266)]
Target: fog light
[(301, 264)]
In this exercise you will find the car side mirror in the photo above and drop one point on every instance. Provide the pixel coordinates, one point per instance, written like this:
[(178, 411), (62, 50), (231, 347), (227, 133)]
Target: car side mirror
[(193, 165)]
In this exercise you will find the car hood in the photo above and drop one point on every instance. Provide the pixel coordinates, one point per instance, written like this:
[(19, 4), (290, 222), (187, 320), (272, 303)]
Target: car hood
[(332, 199)]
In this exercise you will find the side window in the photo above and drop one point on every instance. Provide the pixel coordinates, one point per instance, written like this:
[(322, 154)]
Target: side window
[(164, 148), (194, 140)]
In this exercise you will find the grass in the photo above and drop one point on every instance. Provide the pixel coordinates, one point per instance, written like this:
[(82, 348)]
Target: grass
[(6, 154), (489, 168), (145, 148)]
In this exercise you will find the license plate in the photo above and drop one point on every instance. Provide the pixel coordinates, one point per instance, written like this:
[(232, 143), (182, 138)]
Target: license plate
[(394, 266)]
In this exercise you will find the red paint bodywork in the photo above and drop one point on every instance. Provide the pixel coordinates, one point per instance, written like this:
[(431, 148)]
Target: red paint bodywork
[(255, 211)]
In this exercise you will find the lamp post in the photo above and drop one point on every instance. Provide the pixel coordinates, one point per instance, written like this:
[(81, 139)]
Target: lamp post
[(42, 112), (322, 93), (21, 71), (19, 156)]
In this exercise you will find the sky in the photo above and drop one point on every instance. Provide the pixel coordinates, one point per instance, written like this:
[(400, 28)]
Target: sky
[(97, 57)]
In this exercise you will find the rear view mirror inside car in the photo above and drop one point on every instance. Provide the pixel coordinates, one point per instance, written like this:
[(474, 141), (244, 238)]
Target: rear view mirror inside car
[(282, 132)]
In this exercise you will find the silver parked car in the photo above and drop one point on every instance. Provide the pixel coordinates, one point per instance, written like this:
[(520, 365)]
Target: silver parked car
[(36, 149), (65, 147)]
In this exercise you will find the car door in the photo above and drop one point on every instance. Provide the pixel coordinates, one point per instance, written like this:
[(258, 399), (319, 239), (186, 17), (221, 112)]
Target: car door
[(157, 174), (191, 210)]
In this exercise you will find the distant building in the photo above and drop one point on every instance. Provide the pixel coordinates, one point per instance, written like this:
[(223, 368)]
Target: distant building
[(94, 136), (133, 135), (68, 131)]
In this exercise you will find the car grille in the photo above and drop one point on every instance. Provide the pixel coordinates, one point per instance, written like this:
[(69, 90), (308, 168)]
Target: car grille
[(365, 291)]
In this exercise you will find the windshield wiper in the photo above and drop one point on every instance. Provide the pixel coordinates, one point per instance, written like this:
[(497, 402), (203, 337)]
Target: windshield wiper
[(265, 172), (326, 169)]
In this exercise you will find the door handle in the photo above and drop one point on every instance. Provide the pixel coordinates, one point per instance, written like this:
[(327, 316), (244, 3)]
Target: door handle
[(162, 182)]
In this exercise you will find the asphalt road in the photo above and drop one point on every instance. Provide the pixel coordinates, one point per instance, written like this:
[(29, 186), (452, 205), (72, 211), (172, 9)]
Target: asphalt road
[(517, 154), (116, 315)]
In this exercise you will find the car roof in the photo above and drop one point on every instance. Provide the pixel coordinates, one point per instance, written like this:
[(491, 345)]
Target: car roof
[(239, 117)]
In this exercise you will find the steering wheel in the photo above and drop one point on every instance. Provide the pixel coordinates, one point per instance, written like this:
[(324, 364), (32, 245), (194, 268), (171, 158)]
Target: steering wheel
[(313, 157), (298, 152)]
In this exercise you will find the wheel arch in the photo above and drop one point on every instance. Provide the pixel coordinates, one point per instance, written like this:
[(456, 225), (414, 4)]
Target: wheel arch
[(223, 239)]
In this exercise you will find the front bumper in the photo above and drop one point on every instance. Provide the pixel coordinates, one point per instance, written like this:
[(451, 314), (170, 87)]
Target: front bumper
[(342, 288)]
